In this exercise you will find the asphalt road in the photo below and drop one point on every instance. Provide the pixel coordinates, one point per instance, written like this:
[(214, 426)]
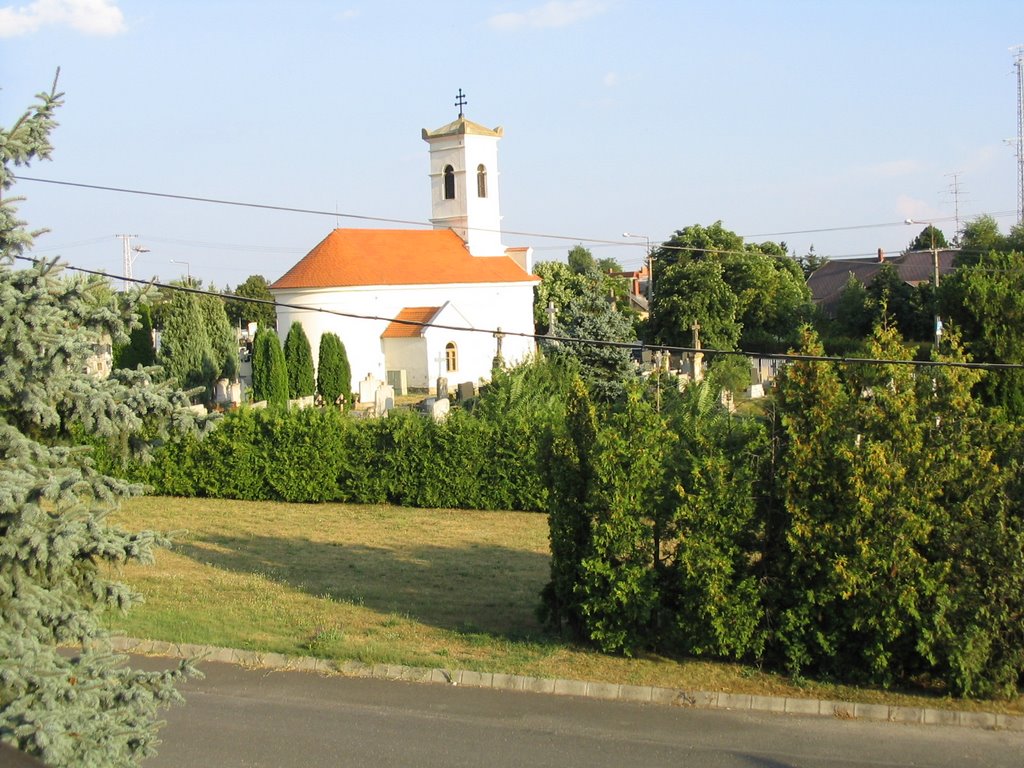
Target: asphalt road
[(239, 717)]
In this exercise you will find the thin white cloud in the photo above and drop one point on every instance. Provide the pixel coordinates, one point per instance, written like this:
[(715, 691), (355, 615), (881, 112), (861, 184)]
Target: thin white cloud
[(611, 79), (555, 13), (101, 18), (347, 15)]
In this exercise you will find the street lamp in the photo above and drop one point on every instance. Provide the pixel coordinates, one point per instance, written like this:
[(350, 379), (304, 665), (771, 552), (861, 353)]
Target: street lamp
[(935, 277), (188, 269), (650, 264)]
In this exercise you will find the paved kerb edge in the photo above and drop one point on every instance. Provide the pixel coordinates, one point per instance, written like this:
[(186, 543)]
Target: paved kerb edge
[(646, 694)]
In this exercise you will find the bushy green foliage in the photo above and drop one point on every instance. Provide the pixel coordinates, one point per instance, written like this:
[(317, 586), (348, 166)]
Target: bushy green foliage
[(139, 349), (222, 337), (64, 696), (898, 508), (262, 311), (333, 373), (748, 294), (185, 351), (569, 473), (269, 372), (468, 461), (298, 358)]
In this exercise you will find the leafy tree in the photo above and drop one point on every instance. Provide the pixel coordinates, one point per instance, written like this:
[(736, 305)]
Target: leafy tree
[(333, 372), (64, 696), (979, 237), (752, 295), (558, 285), (581, 261), (298, 357), (269, 372), (985, 299), (241, 313), (691, 292), (929, 238), (608, 264), (139, 349)]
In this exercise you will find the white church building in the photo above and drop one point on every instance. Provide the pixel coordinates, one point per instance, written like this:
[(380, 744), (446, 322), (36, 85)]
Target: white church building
[(431, 303)]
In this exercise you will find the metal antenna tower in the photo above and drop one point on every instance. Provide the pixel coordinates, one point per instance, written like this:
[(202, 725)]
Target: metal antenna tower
[(954, 188), (1019, 64)]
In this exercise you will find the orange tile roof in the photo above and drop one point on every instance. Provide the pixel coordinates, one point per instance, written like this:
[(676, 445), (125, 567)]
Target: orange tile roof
[(400, 330), (362, 257)]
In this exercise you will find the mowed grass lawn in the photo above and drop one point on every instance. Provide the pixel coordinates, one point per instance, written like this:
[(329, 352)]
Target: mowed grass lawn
[(431, 588)]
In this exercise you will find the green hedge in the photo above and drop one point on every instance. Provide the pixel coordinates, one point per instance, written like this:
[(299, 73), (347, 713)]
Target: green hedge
[(316, 455)]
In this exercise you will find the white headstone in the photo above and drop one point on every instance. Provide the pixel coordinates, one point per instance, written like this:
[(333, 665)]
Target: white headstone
[(368, 388), (439, 409), (383, 400)]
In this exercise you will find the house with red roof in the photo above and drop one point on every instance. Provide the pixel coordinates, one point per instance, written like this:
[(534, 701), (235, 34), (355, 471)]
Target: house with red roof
[(434, 302)]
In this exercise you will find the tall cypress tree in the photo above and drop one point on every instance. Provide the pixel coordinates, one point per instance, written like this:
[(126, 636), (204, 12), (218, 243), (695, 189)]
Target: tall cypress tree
[(79, 706), (298, 357), (269, 373), (333, 373)]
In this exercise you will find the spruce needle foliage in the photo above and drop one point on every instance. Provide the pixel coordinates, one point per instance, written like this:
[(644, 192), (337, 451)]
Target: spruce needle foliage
[(82, 706)]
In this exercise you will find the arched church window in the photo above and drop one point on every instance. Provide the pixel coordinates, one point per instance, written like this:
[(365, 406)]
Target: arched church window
[(481, 181), (449, 183), (451, 357)]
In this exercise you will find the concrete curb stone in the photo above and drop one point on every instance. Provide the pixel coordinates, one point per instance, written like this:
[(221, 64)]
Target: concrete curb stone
[(645, 694)]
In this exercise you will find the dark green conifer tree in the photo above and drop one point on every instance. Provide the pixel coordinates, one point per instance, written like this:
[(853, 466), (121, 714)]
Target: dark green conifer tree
[(298, 357), (333, 374), (269, 373)]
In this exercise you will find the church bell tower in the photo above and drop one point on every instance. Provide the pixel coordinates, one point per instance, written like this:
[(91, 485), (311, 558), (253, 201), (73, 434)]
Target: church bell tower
[(464, 182)]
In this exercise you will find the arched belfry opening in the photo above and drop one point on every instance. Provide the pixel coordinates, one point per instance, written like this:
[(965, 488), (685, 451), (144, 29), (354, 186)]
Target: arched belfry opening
[(449, 183), (481, 181)]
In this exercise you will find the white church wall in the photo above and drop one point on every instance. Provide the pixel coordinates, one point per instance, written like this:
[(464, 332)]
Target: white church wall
[(484, 306)]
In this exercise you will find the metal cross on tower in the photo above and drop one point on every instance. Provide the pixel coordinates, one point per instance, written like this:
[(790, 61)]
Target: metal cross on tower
[(460, 101)]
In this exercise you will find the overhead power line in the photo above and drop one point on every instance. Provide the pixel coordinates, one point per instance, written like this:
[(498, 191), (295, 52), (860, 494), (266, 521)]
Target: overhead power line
[(784, 356), (519, 233)]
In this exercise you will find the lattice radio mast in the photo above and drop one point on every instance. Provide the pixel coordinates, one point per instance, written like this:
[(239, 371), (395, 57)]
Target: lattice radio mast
[(1019, 64)]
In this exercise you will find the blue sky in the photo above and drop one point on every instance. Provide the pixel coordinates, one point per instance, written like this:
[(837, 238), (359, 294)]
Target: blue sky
[(774, 117)]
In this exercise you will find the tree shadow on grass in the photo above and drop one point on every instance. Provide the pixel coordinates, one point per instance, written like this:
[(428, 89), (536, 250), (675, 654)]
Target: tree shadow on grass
[(475, 587)]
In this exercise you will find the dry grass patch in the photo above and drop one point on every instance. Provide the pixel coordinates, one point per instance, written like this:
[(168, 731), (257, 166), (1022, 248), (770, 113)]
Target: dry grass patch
[(435, 588)]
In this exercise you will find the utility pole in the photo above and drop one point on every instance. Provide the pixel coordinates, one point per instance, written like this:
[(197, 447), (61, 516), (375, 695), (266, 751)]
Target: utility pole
[(128, 260)]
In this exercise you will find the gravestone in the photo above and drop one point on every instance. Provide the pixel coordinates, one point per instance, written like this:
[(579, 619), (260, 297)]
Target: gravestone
[(442, 387), (368, 388), (383, 400), (439, 409), (466, 390)]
